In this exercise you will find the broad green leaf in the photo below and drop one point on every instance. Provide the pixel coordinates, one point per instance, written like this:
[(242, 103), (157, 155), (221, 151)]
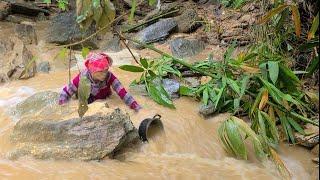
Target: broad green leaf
[(84, 90), (84, 52), (236, 105), (314, 27), (47, 1), (185, 91), (308, 46), (144, 63), (272, 127), (262, 126), (272, 13), (273, 68), (151, 73), (296, 126), (296, 19), (159, 95), (285, 71), (131, 68), (236, 140), (227, 55), (233, 84), (256, 101), (264, 71), (205, 96)]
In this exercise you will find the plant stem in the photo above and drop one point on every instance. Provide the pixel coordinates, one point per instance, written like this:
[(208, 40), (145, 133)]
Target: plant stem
[(180, 61)]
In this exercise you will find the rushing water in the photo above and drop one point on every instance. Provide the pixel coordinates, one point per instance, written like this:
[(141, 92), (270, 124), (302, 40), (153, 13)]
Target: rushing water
[(191, 149)]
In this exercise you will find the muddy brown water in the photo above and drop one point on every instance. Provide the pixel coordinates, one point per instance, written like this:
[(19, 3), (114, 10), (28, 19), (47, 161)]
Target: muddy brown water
[(190, 149)]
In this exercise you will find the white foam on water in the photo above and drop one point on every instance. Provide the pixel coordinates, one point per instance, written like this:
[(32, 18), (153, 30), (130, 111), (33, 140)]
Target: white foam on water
[(15, 96)]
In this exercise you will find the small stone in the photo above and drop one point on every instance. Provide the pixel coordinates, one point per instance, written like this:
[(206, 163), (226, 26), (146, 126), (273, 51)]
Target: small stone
[(207, 110), (192, 81), (172, 87), (43, 67)]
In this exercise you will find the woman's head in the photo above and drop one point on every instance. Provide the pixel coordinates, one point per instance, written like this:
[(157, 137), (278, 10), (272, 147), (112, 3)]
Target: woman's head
[(98, 65)]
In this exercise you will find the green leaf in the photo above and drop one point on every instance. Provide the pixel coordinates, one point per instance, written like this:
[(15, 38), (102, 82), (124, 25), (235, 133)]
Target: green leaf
[(296, 126), (47, 1), (133, 9), (272, 127), (257, 101), (205, 96), (152, 2), (233, 85), (227, 55), (131, 68), (62, 54), (152, 74), (235, 139), (272, 13), (144, 63), (273, 68), (84, 52), (159, 95), (285, 71), (314, 27), (84, 90), (314, 65), (185, 91)]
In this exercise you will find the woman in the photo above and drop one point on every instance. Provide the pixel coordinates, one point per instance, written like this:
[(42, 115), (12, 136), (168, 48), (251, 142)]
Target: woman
[(101, 79)]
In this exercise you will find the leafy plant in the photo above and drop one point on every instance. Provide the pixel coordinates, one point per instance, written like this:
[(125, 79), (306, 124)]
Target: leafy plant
[(101, 12), (233, 3)]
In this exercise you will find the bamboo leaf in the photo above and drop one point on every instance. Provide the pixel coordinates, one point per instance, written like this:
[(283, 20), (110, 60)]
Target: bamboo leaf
[(159, 95), (256, 102), (84, 90), (314, 27), (185, 91), (84, 52), (273, 68), (133, 9), (296, 19), (272, 13), (235, 139), (205, 96), (264, 99), (296, 126), (234, 86), (314, 65), (131, 68), (144, 63)]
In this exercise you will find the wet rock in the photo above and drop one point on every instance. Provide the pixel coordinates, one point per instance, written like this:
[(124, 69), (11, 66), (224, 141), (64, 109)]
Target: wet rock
[(157, 31), (316, 160), (42, 103), (315, 150), (182, 48), (16, 18), (64, 30), (188, 21), (111, 42), (207, 110), (91, 138), (26, 33), (4, 10), (14, 58), (172, 87), (311, 140), (43, 67), (192, 81)]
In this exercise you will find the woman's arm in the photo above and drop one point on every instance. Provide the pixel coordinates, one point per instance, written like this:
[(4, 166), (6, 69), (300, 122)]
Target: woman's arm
[(69, 90), (122, 93)]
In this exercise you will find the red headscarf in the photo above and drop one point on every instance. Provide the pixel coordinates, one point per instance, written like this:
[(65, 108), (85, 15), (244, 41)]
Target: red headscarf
[(98, 62)]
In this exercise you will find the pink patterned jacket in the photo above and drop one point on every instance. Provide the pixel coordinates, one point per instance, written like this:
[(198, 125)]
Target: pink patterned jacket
[(99, 90)]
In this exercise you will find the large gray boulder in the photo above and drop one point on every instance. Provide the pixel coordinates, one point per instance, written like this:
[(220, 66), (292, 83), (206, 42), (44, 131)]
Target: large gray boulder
[(91, 138), (157, 31), (182, 48), (64, 30)]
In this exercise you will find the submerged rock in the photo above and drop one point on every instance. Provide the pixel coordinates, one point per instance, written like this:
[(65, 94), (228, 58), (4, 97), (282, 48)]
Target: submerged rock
[(172, 87), (91, 138), (311, 140), (182, 48), (157, 31), (207, 110)]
